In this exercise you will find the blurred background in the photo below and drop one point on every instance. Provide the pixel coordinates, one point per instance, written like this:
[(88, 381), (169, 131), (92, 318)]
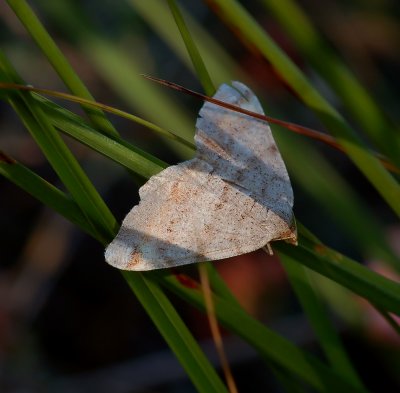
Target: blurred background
[(68, 321)]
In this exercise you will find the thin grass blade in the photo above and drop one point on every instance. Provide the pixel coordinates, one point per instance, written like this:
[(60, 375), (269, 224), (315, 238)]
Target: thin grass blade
[(191, 47), (355, 98), (267, 343), (302, 282), (220, 65), (377, 289), (175, 333), (60, 63), (43, 191)]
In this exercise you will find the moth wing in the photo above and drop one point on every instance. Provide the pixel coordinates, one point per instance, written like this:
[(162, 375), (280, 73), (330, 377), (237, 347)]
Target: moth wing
[(187, 214), (242, 149)]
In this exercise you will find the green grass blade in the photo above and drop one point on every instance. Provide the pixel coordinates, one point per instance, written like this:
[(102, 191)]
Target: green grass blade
[(120, 151), (59, 62), (220, 65), (355, 98), (44, 191), (67, 169), (373, 170), (302, 282), (289, 383), (267, 343), (318, 179), (175, 333), (60, 157), (377, 289), (118, 112), (389, 319), (191, 47), (123, 73)]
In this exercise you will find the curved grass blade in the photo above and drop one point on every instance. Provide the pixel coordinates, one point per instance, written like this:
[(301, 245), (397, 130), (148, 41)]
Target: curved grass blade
[(123, 73), (59, 62), (175, 332), (45, 192), (377, 289), (302, 283), (267, 343), (343, 204), (391, 321), (65, 165), (120, 151), (194, 53), (95, 104), (221, 66), (355, 98)]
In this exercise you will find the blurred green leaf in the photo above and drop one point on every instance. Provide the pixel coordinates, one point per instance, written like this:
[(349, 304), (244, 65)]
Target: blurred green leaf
[(175, 332), (355, 98), (59, 62), (301, 280), (60, 157), (319, 179), (220, 65), (191, 47), (43, 191), (266, 342), (362, 281)]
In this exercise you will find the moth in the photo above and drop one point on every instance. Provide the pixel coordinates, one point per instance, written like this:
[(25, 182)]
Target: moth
[(234, 197)]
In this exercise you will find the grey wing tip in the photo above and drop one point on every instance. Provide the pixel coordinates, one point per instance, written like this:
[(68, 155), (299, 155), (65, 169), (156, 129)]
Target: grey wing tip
[(234, 88), (116, 255), (233, 94), (240, 86), (109, 256)]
